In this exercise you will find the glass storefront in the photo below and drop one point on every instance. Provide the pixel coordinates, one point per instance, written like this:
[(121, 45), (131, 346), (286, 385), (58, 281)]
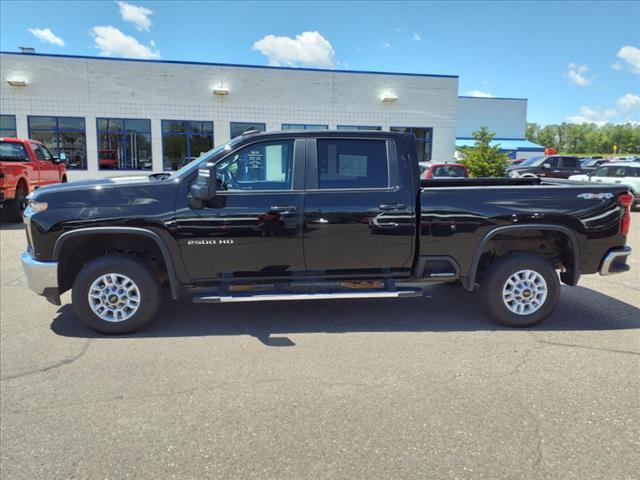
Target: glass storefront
[(8, 126), (62, 135), (124, 144), (183, 141)]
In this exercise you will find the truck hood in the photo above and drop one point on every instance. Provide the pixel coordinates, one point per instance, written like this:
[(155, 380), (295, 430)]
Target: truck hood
[(100, 183), (106, 196)]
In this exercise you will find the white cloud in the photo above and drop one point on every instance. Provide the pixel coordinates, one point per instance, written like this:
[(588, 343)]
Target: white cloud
[(113, 43), (631, 55), (137, 15), (478, 93), (416, 37), (307, 48), (387, 45), (576, 74), (628, 110), (630, 101), (617, 66), (592, 115), (45, 35)]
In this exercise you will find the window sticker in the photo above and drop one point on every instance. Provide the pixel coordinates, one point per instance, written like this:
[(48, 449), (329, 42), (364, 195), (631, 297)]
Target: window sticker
[(352, 165)]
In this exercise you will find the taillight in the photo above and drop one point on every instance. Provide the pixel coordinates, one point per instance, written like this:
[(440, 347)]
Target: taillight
[(625, 200)]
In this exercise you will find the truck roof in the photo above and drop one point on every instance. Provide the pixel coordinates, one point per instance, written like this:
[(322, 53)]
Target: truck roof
[(19, 140), (327, 133)]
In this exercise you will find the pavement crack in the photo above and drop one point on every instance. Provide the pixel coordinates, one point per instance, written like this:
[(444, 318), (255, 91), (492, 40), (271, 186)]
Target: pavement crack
[(571, 345), (64, 361)]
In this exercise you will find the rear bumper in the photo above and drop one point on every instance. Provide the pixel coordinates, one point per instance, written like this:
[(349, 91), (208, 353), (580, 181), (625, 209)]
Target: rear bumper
[(42, 277), (615, 261)]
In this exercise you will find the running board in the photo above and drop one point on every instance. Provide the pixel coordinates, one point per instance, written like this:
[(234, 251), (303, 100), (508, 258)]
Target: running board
[(274, 297)]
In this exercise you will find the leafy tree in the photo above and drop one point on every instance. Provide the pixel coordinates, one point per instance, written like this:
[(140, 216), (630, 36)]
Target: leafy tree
[(587, 138), (484, 160)]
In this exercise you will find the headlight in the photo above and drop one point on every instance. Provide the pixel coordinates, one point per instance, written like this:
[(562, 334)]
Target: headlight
[(36, 206)]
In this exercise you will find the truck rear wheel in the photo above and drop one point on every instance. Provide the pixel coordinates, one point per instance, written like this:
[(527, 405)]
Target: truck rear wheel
[(520, 289), (116, 294), (15, 208)]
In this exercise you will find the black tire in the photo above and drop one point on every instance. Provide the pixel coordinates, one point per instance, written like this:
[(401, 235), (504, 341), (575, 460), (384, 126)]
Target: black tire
[(135, 269), (495, 279), (15, 207)]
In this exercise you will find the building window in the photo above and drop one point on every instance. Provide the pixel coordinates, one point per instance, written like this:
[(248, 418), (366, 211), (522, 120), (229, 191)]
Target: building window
[(62, 135), (302, 126), (124, 144), (358, 127), (183, 141), (8, 126), (424, 140), (238, 128), (344, 163)]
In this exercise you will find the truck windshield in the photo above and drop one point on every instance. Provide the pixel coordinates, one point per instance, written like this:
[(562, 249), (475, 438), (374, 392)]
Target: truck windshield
[(533, 162), (13, 152)]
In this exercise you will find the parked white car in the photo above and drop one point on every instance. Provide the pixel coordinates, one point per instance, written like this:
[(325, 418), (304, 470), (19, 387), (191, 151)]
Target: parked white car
[(625, 173)]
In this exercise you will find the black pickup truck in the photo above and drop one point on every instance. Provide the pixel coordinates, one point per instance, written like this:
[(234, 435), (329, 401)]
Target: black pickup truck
[(316, 215)]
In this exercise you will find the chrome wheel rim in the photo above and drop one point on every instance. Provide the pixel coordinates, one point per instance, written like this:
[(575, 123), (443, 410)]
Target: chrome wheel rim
[(114, 297), (524, 292)]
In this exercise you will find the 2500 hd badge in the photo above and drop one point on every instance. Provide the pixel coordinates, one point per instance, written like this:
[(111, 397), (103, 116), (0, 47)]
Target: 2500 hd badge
[(224, 241)]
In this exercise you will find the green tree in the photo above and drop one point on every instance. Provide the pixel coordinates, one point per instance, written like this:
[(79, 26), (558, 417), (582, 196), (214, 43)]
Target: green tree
[(484, 160), (587, 138)]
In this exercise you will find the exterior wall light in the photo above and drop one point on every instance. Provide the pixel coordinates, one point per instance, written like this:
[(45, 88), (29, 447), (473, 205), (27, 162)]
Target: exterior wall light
[(17, 82), (388, 97), (221, 91)]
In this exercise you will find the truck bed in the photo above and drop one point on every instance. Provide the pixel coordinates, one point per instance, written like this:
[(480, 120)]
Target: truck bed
[(478, 182)]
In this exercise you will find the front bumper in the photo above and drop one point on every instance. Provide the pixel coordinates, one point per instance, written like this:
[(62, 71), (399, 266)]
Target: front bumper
[(42, 277), (615, 261)]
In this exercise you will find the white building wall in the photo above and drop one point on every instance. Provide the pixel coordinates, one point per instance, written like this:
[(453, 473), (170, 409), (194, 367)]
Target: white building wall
[(90, 88), (506, 117)]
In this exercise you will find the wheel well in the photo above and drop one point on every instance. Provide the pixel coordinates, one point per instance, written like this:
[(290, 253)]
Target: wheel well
[(77, 251), (23, 183), (63, 179), (554, 246)]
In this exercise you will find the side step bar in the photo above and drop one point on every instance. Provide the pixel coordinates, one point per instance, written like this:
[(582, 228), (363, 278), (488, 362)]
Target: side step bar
[(274, 297)]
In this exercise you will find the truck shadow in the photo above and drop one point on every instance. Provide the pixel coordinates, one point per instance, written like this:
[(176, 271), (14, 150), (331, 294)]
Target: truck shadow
[(4, 225), (449, 309)]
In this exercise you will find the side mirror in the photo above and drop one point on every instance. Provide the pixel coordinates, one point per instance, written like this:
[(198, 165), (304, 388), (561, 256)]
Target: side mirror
[(204, 188), (60, 158)]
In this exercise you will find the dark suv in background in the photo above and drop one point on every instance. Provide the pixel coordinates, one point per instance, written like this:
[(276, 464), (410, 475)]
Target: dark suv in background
[(552, 166)]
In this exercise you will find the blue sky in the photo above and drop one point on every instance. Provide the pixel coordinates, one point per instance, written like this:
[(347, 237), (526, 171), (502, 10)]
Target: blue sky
[(574, 61)]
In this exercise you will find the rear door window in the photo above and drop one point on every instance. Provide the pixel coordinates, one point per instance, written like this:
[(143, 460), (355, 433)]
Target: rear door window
[(352, 164), (633, 171), (570, 162), (13, 152)]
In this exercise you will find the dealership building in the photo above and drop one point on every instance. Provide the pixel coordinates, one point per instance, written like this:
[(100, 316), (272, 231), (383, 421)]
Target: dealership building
[(113, 116)]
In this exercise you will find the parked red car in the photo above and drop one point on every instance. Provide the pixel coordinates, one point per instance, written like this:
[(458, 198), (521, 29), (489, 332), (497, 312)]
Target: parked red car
[(442, 170), (108, 159), (24, 166)]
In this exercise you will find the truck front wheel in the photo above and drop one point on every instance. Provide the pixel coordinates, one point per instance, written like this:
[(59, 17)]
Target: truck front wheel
[(116, 294), (520, 289)]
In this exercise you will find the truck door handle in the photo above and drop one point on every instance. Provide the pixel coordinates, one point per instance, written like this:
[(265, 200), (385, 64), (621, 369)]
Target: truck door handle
[(392, 206), (284, 208)]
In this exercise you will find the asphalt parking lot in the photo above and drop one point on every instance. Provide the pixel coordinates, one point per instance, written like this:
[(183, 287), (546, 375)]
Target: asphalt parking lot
[(417, 388)]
